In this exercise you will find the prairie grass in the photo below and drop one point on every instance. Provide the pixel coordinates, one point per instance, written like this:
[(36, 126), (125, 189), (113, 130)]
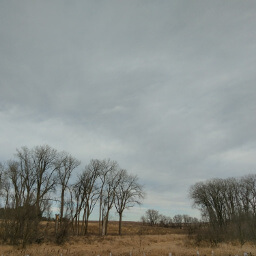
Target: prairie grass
[(137, 240)]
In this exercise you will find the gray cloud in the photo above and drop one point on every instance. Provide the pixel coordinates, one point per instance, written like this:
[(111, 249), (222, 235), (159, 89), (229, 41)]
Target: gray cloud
[(165, 88)]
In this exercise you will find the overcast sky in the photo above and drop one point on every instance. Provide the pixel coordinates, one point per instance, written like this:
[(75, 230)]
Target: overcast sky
[(166, 88)]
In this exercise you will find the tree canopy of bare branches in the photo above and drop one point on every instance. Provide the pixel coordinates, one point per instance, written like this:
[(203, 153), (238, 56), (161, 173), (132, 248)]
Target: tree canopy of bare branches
[(32, 182), (229, 205), (129, 192)]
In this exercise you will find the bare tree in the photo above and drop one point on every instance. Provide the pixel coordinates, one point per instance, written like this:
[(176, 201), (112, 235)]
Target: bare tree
[(38, 173), (16, 180), (109, 195), (106, 167), (77, 195), (85, 192), (24, 177), (65, 164), (209, 197), (178, 219), (128, 193), (44, 158), (230, 193), (152, 217), (19, 198), (4, 185), (90, 189), (164, 221), (229, 205)]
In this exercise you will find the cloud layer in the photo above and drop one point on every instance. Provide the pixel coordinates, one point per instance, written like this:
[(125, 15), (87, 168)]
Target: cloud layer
[(166, 88)]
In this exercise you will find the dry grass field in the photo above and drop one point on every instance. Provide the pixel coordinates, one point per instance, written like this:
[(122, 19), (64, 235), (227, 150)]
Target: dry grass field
[(137, 240)]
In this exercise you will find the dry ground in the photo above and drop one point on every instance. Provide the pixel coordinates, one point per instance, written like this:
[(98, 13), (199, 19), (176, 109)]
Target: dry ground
[(137, 240)]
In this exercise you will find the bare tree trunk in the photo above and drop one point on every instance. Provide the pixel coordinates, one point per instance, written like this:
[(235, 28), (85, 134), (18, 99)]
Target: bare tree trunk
[(104, 226), (120, 223), (100, 220), (62, 204), (56, 223), (76, 225), (86, 227), (86, 221), (106, 223), (83, 222)]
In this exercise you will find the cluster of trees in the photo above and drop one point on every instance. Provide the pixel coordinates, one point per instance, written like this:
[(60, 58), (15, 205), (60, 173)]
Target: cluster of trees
[(154, 218), (229, 208), (41, 176)]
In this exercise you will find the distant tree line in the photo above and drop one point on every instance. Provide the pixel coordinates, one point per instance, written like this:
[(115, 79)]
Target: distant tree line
[(228, 206), (154, 218), (39, 177)]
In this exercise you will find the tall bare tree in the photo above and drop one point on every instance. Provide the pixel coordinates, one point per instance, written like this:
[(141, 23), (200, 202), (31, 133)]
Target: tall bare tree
[(229, 205), (65, 165), (106, 167), (109, 195), (128, 193), (33, 180), (86, 192), (90, 188), (25, 178), (44, 158)]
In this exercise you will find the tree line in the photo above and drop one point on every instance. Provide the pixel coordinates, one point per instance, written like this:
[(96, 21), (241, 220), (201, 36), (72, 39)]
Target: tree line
[(154, 218), (228, 206), (39, 177)]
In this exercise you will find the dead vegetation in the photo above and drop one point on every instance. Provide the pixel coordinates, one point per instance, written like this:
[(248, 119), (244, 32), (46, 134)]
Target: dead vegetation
[(137, 239)]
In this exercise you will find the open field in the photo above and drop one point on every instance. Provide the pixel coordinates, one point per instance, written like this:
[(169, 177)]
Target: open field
[(137, 240)]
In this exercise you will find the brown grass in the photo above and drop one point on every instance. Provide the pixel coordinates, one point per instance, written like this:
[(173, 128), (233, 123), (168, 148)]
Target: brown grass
[(137, 240)]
